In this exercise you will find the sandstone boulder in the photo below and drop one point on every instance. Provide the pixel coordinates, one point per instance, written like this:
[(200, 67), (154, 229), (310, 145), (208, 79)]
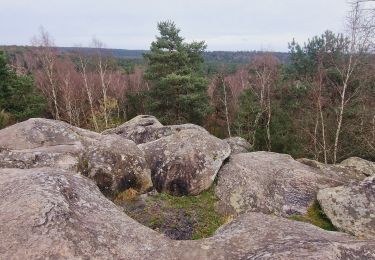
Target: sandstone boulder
[(351, 208), (40, 132), (144, 128), (41, 142), (115, 163), (342, 171), (186, 162), (57, 214), (140, 129), (270, 183), (238, 145), (361, 165)]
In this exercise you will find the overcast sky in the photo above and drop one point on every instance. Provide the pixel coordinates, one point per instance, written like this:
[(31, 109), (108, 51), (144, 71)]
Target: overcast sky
[(131, 24)]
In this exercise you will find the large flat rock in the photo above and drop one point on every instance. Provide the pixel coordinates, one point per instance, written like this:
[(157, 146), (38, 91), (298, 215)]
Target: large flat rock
[(270, 183), (57, 214)]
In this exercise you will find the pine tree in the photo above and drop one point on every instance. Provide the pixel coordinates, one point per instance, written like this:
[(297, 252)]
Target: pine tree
[(179, 89), (19, 99)]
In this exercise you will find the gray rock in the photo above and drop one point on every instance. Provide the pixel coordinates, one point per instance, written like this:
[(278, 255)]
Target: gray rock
[(186, 162), (140, 129), (351, 208), (260, 236), (40, 132), (342, 171), (144, 128), (269, 183), (239, 145), (41, 142), (361, 165), (56, 214), (115, 163)]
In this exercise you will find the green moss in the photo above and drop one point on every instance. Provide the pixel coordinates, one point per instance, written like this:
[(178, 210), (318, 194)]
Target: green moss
[(202, 207), (156, 221), (315, 215), (83, 166), (165, 212)]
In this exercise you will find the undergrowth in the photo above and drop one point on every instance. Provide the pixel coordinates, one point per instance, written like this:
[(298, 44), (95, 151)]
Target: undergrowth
[(166, 213), (315, 216)]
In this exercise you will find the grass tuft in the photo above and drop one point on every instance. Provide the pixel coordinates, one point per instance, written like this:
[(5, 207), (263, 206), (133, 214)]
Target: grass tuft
[(315, 215), (164, 212)]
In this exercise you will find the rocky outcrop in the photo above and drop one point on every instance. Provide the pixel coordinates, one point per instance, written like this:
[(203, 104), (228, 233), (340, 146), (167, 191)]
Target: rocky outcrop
[(270, 183), (186, 162), (140, 129), (144, 128), (342, 171), (113, 162), (116, 164), (361, 165), (351, 208), (53, 213), (239, 145), (41, 142)]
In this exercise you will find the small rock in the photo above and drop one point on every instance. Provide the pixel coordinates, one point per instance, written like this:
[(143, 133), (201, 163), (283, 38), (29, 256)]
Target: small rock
[(361, 165), (239, 145)]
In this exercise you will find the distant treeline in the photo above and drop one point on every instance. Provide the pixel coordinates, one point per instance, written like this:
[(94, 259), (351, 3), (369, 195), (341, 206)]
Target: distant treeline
[(316, 101)]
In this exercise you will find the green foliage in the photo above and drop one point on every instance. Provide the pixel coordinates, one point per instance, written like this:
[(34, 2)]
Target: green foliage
[(4, 119), (284, 137), (179, 89), (315, 215), (19, 99)]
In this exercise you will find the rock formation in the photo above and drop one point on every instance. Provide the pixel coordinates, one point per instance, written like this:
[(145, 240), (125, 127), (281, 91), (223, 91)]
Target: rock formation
[(52, 213), (238, 145), (270, 183), (186, 162), (348, 173), (113, 162), (56, 181), (361, 165), (351, 208)]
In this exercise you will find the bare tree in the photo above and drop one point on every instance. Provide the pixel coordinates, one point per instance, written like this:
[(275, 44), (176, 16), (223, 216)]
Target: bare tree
[(358, 44), (263, 75), (104, 75), (88, 87), (47, 55)]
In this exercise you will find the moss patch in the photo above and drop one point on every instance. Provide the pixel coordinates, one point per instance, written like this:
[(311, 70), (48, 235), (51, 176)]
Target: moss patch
[(181, 218), (315, 216)]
